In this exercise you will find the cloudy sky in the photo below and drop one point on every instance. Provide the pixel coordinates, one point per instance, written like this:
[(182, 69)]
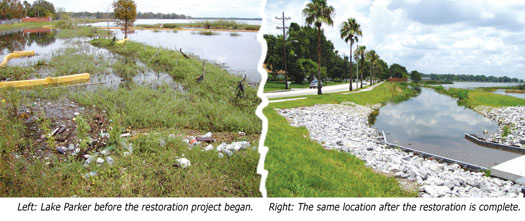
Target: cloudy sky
[(195, 8), (431, 36)]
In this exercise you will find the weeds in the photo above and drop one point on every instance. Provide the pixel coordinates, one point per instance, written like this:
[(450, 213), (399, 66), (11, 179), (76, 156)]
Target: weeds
[(83, 129)]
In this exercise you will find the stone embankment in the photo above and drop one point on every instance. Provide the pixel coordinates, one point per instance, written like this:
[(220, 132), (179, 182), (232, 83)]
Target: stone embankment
[(512, 118), (345, 127)]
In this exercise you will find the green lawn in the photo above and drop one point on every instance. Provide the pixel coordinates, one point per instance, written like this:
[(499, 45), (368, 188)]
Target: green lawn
[(300, 167), (272, 86)]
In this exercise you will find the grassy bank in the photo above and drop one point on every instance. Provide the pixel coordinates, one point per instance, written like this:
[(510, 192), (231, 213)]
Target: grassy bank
[(22, 25), (218, 24), (300, 167), (474, 98), (155, 112), (272, 86)]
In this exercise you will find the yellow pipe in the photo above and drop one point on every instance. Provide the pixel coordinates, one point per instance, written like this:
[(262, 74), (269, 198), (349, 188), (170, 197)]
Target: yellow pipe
[(16, 54), (122, 41), (46, 81)]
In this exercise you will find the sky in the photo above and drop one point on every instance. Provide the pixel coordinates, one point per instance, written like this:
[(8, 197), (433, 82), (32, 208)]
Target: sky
[(431, 36), (194, 8)]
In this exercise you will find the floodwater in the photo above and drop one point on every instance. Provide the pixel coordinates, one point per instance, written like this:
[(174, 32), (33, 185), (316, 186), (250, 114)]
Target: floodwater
[(435, 124), (238, 54), (45, 44)]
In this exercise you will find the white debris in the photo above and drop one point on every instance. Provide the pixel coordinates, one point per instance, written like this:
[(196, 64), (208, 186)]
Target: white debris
[(183, 162), (100, 160), (208, 148)]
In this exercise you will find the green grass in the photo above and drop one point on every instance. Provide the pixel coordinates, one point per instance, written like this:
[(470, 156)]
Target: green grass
[(22, 25), (13, 73), (300, 167), (82, 31), (272, 86), (474, 98)]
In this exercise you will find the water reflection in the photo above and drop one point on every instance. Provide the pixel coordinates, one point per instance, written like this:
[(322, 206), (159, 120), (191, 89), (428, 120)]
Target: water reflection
[(434, 123), (19, 40)]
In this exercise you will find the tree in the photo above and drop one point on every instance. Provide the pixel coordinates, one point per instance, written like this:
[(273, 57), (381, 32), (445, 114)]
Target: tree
[(397, 71), (372, 58), (360, 52), (415, 76), (349, 31), (125, 13), (318, 12)]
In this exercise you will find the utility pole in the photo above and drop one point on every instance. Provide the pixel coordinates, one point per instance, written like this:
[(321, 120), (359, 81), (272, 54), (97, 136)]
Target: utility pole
[(284, 48)]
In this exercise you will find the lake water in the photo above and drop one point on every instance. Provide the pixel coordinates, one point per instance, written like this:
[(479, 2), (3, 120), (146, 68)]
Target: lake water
[(238, 54), (434, 123)]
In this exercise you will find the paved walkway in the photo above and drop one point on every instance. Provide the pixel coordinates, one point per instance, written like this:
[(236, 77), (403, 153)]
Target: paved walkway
[(307, 91)]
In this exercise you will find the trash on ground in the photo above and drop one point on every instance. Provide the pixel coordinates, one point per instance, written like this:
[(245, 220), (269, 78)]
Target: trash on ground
[(183, 163)]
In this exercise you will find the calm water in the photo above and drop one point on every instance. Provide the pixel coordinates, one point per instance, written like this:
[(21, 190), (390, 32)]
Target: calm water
[(238, 54), (434, 123), (518, 95)]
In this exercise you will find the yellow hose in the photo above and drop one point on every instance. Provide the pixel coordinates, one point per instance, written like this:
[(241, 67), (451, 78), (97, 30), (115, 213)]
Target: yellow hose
[(46, 81), (16, 54), (122, 41)]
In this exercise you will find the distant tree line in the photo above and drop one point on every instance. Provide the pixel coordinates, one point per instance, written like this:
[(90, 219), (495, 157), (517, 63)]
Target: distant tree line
[(15, 9)]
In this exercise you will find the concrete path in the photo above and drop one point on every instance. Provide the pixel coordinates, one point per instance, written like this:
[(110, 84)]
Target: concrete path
[(307, 91)]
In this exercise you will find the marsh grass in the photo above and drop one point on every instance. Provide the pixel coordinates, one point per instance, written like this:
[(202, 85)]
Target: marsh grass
[(473, 98), (16, 73), (208, 33), (208, 24)]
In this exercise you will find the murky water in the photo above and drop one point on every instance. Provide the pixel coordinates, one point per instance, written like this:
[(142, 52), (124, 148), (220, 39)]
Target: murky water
[(44, 43), (239, 54), (434, 123)]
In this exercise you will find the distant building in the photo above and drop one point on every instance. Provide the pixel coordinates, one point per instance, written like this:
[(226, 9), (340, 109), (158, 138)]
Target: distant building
[(35, 19), (391, 79)]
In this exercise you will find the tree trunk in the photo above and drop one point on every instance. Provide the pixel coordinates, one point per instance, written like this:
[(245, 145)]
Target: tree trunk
[(351, 66), (363, 67), (319, 91), (126, 29)]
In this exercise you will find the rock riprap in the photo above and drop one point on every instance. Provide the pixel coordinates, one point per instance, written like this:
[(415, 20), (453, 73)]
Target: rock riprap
[(511, 117), (345, 127)]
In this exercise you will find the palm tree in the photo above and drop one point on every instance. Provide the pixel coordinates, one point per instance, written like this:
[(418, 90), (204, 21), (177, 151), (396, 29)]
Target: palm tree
[(372, 57), (349, 31), (360, 52), (318, 12)]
